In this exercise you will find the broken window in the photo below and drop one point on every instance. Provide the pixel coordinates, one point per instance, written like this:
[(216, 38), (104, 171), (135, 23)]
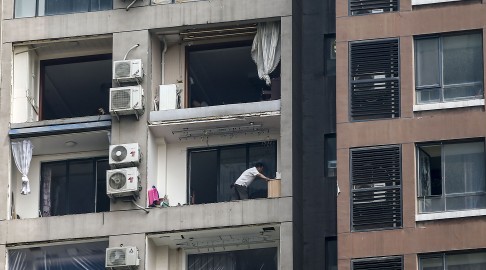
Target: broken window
[(212, 171), (74, 187), (68, 256), (75, 87), (28, 8), (220, 74), (263, 258), (451, 176)]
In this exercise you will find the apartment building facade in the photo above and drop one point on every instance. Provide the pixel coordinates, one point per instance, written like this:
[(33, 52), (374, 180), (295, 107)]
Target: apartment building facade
[(117, 97), (410, 143)]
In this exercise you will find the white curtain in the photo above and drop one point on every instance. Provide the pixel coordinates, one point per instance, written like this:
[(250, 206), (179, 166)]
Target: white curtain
[(266, 49), (22, 153)]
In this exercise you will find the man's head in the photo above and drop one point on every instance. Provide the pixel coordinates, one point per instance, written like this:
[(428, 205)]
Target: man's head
[(259, 166)]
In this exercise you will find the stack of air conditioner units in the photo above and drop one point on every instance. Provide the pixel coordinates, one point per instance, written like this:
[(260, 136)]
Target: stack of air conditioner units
[(128, 98), (122, 258), (123, 180)]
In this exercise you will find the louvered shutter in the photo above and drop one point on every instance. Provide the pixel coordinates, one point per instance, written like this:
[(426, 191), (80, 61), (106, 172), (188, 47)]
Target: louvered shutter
[(357, 7), (381, 263)]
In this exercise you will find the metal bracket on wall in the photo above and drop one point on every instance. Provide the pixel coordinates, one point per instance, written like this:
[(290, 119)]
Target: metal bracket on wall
[(130, 5)]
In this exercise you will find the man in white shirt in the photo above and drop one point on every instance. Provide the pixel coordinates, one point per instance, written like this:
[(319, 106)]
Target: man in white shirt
[(246, 178)]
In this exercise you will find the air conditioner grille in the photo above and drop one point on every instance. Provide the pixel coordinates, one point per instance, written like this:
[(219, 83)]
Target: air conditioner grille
[(120, 99), (119, 153), (116, 257), (117, 180), (122, 69)]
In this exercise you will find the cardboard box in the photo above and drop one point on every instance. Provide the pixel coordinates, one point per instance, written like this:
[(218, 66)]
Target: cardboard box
[(273, 188)]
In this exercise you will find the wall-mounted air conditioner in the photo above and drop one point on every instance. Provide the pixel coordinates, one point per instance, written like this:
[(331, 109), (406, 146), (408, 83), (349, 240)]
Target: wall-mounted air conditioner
[(122, 182), (125, 155), (128, 71), (122, 258), (167, 97), (126, 100)]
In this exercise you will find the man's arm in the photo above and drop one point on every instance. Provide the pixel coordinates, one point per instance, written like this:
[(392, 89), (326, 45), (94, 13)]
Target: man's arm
[(264, 177)]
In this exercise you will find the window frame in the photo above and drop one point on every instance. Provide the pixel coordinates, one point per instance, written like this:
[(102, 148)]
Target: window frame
[(440, 86), (66, 162), (38, 5), (443, 256), (442, 165)]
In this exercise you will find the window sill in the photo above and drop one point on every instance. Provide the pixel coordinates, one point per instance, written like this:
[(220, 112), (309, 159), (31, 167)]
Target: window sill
[(449, 215), (448, 105), (426, 2)]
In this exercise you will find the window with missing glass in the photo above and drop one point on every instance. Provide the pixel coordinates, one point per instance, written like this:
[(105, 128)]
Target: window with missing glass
[(74, 187), (451, 176), (453, 261), (449, 67), (29, 8)]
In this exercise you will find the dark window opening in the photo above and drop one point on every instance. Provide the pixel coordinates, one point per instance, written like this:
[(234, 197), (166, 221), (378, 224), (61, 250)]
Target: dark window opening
[(59, 257), (451, 176), (213, 171), (330, 54), (264, 258), (75, 87), (74, 187), (331, 253), (226, 74), (29, 8), (330, 155)]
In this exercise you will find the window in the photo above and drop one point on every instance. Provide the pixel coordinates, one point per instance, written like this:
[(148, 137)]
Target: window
[(212, 171), (263, 258), (74, 187), (330, 255), (449, 68), (453, 261), (71, 256), (330, 155), (388, 263), (451, 176), (74, 87), (29, 8), (374, 79), (222, 74), (376, 188), (357, 7)]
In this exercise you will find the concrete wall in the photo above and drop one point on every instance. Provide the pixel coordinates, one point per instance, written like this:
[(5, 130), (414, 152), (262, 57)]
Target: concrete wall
[(27, 206), (164, 257)]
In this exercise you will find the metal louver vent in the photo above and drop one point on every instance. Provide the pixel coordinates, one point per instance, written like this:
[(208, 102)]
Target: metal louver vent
[(357, 7), (382, 263), (120, 99), (375, 79), (122, 69), (117, 180), (376, 188), (116, 257)]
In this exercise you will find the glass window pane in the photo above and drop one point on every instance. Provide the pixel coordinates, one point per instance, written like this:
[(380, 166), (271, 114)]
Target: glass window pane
[(463, 91), (232, 164), (54, 187), (101, 5), (265, 153), (24, 8), (428, 95), (102, 200), (462, 59), (81, 188), (429, 205), (53, 7), (431, 263), (464, 168), (471, 261), (427, 66), (430, 170)]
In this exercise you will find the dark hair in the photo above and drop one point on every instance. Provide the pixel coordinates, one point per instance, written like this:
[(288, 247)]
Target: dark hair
[(259, 164)]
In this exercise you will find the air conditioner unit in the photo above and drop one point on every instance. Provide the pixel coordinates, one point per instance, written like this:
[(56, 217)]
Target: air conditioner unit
[(122, 182), (122, 258), (126, 100), (128, 71), (167, 97), (125, 155)]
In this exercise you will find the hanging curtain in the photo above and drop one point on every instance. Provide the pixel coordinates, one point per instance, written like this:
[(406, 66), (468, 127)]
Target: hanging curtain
[(22, 153), (265, 50), (46, 192)]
